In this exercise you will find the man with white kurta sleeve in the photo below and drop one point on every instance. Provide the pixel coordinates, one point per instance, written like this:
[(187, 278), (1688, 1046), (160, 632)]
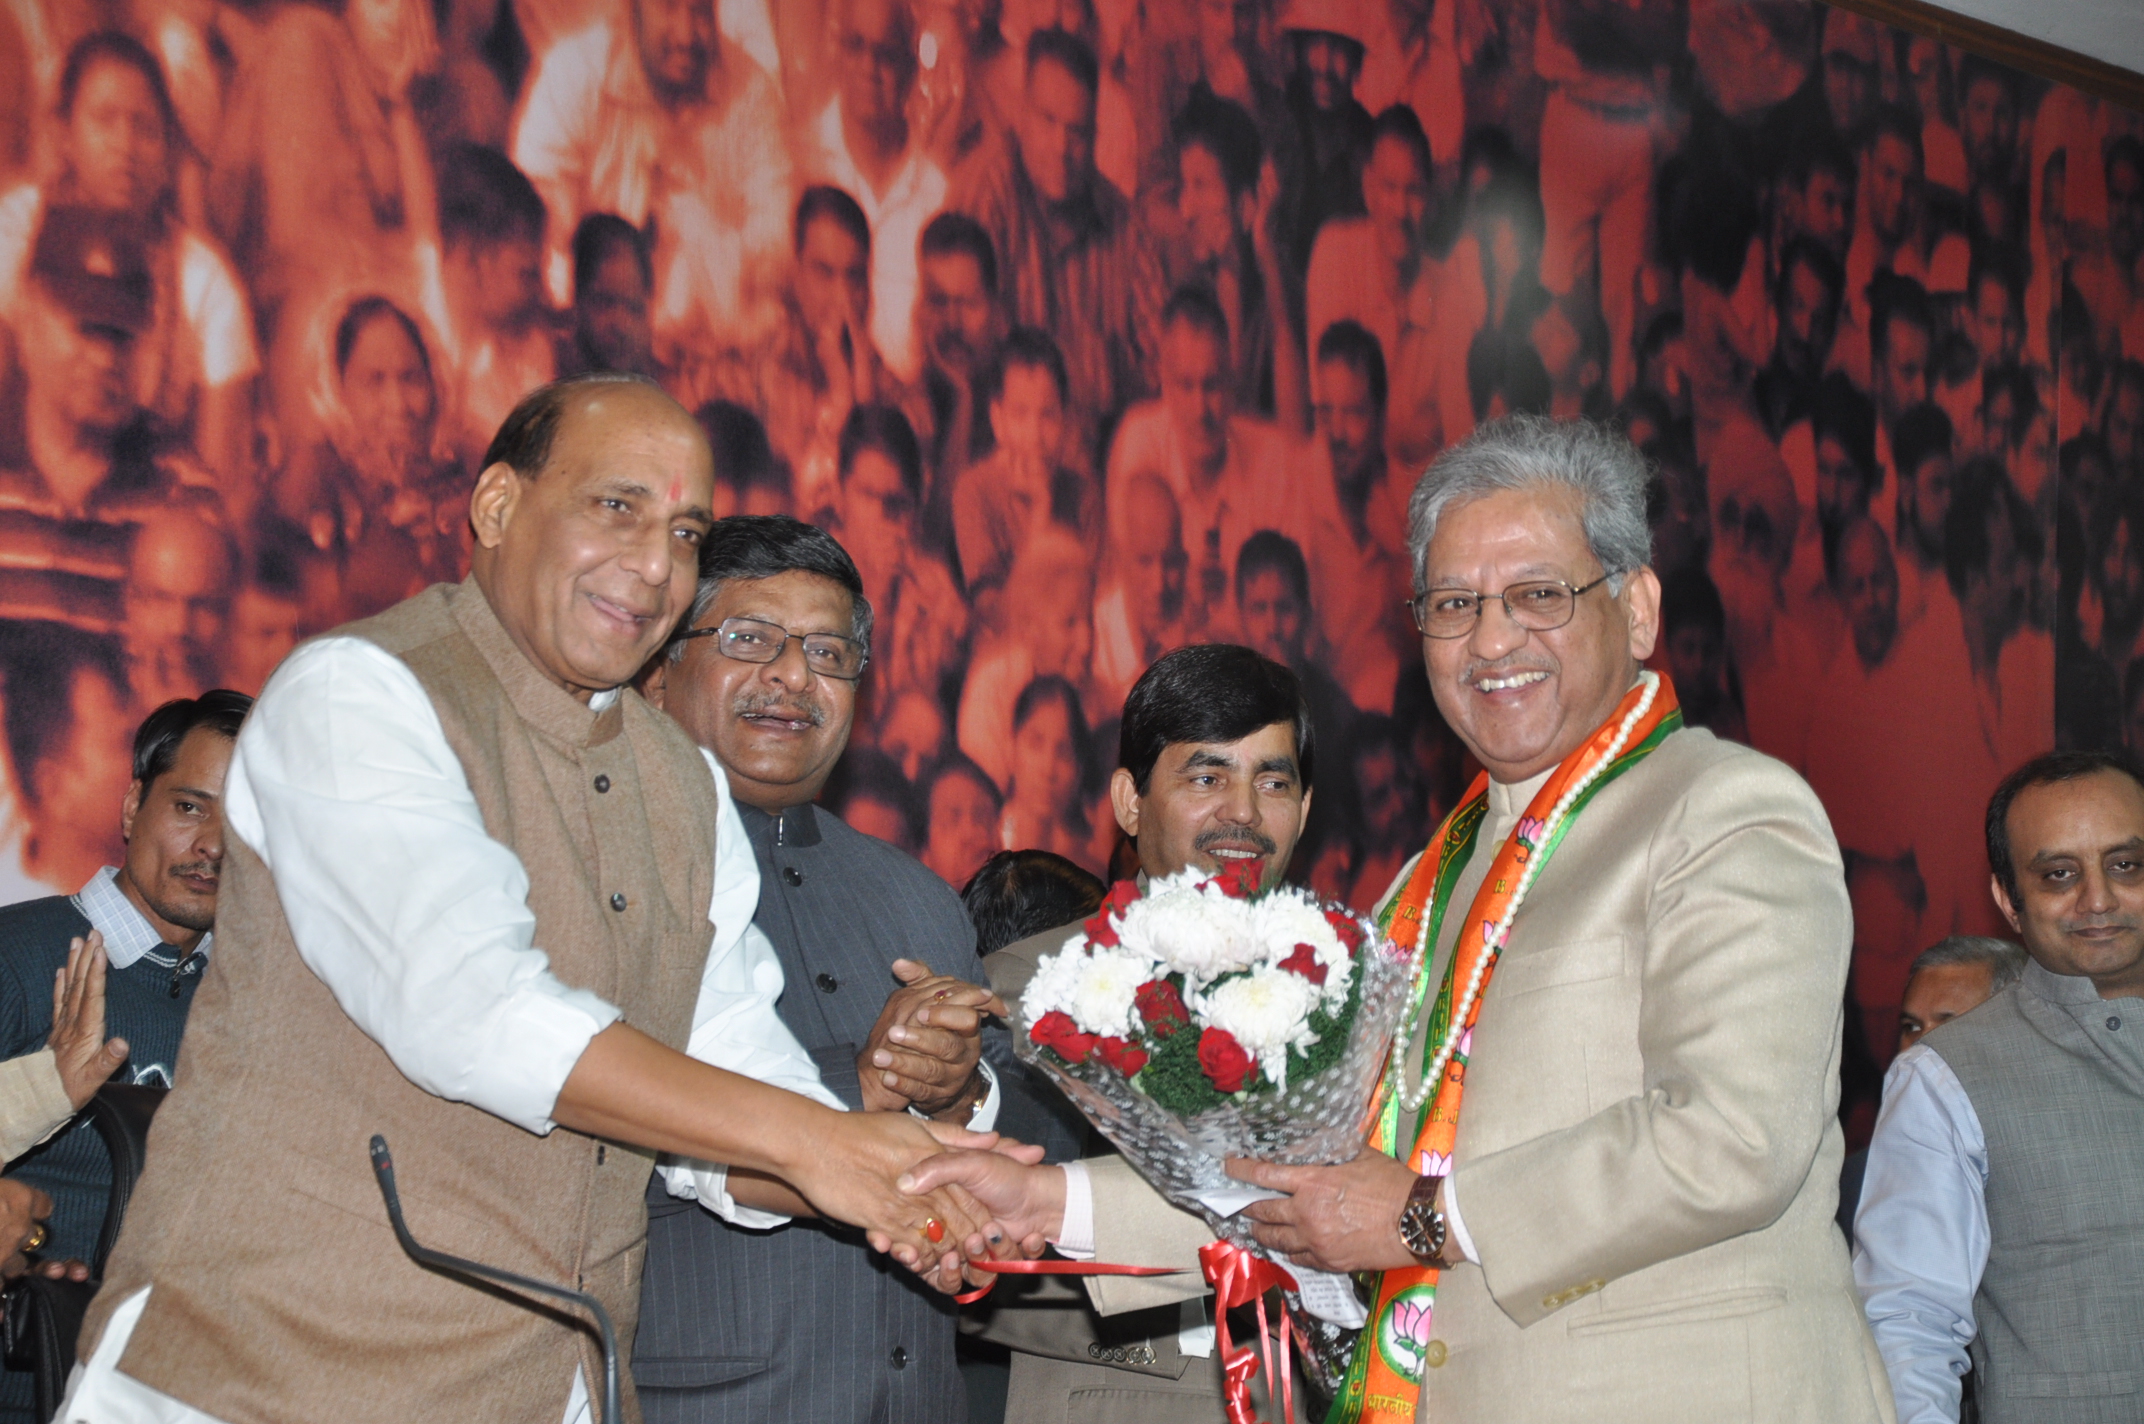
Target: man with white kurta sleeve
[(467, 900)]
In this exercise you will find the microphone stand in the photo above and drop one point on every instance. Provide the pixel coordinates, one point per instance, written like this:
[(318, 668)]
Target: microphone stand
[(383, 1169)]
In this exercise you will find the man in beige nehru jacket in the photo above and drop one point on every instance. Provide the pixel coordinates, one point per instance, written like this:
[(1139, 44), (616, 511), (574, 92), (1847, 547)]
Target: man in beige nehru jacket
[(1632, 1218), (477, 894)]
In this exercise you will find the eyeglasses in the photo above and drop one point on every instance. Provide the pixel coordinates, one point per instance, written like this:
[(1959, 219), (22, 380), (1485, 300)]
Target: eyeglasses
[(749, 640), (1537, 605)]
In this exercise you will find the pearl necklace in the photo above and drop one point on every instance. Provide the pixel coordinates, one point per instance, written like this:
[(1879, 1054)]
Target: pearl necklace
[(1407, 1050)]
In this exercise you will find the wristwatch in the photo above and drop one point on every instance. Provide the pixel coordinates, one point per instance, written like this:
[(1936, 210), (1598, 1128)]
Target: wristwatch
[(1422, 1225)]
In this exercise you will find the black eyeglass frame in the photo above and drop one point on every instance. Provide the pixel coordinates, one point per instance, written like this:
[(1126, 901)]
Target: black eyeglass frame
[(1482, 601), (782, 647)]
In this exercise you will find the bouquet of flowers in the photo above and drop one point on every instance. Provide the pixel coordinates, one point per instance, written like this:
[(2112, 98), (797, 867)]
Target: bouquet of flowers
[(1205, 1018)]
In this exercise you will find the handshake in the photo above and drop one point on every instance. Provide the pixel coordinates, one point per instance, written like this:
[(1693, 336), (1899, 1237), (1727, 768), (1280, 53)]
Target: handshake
[(927, 1190), (945, 1201)]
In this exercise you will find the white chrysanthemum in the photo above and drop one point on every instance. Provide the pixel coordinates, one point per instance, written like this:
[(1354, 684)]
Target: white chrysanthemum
[(1102, 996), (1267, 1011), (1056, 980), (1289, 917), (1202, 933)]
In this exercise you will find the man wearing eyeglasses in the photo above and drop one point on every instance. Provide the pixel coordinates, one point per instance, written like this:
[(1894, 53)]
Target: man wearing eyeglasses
[(799, 1324), (1609, 1192)]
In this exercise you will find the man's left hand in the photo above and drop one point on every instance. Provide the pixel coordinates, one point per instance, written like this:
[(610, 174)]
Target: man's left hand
[(1339, 1219), (923, 1051)]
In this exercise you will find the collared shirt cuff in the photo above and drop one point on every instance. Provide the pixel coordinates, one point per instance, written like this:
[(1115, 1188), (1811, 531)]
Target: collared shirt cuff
[(538, 1037), (708, 1184), (1455, 1226), (985, 1116), (1075, 1235)]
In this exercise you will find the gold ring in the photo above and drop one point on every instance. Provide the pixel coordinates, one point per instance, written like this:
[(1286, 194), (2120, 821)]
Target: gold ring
[(932, 1227), (39, 1235)]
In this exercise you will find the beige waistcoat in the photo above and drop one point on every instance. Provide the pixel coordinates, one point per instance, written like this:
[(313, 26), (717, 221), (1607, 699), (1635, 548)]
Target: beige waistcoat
[(280, 1293)]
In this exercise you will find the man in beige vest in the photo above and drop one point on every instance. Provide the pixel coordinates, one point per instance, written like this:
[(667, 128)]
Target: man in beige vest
[(1635, 1221), (471, 885)]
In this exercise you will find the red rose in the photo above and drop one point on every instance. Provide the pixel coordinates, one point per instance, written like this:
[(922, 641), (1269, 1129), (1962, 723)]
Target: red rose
[(1056, 1032), (1161, 1006), (1240, 879), (1099, 929), (1121, 1054), (1223, 1060), (1345, 926), (1305, 962)]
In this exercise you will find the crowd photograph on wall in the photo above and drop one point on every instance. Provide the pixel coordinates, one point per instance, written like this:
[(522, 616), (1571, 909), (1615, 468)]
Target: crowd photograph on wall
[(1089, 330)]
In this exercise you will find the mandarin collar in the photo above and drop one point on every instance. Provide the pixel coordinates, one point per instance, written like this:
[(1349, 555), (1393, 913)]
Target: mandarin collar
[(790, 826), (543, 703)]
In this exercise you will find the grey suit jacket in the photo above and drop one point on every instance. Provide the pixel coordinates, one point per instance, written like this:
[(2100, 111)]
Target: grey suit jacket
[(1648, 1158), (806, 1323)]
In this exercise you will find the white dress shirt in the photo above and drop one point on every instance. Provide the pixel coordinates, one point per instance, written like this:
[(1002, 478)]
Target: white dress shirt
[(1921, 1234), (418, 922)]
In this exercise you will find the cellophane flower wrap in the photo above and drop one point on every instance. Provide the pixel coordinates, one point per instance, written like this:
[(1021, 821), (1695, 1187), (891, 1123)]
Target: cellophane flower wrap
[(1204, 1018)]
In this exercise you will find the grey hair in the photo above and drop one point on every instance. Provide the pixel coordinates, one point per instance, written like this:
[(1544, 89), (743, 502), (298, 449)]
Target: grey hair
[(1531, 452), (2005, 961)]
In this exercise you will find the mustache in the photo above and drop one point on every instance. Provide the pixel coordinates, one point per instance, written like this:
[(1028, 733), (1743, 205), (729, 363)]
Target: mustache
[(793, 709), (206, 868), (1504, 667), (2130, 923), (1245, 835)]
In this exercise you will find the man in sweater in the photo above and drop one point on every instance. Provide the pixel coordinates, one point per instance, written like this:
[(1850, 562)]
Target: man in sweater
[(154, 911), (2001, 1225)]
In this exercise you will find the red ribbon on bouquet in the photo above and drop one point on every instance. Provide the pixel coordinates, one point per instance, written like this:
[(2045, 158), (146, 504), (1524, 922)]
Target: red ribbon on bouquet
[(1240, 1277)]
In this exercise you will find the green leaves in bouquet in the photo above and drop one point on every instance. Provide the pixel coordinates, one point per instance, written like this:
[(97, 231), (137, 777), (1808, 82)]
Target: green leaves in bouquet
[(1174, 1080)]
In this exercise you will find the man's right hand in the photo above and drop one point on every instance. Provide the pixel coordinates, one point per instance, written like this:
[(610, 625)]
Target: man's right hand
[(1024, 1199), (855, 1176), (85, 1058), (22, 1208)]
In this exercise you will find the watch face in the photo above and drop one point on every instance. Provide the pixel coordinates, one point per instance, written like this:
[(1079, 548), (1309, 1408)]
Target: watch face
[(1419, 1231)]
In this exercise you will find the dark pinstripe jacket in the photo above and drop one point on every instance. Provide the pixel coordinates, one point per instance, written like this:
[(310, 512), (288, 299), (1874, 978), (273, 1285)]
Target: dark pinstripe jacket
[(806, 1324)]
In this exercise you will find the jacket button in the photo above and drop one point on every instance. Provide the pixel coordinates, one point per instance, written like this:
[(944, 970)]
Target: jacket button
[(792, 876), (900, 1357), (827, 983), (602, 784), (1094, 1350), (1433, 1354), (2114, 1021), (617, 900)]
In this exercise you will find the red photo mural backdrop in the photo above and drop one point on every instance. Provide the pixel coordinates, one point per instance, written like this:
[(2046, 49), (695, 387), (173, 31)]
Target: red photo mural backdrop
[(1091, 328)]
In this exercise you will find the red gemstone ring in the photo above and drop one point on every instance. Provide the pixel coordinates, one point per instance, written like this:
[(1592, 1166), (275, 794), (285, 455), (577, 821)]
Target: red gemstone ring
[(935, 1229)]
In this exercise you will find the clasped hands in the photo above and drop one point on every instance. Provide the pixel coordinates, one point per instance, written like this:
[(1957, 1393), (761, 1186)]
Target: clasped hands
[(1341, 1219)]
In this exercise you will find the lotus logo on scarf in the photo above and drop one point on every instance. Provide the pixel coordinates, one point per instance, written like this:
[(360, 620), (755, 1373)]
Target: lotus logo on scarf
[(1403, 1331), (1531, 829)]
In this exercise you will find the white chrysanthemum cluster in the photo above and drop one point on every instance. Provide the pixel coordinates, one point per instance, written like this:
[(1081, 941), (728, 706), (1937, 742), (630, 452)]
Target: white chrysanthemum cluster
[(1193, 926), (1230, 952)]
